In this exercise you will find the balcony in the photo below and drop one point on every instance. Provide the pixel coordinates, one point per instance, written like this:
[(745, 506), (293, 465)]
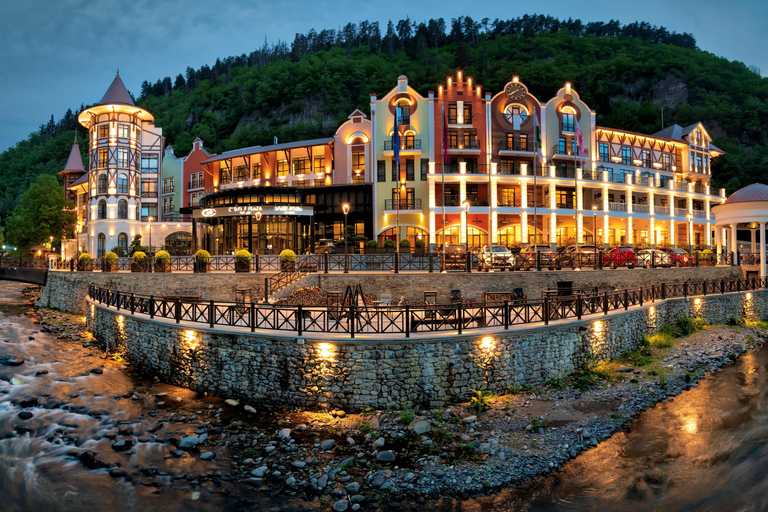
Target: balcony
[(193, 185), (646, 181), (661, 210), (147, 194), (567, 172), (564, 205), (592, 175), (456, 145), (513, 202), (681, 212), (405, 145), (517, 145), (402, 204), (617, 207), (508, 168), (559, 150), (699, 189), (681, 186), (641, 208), (701, 214)]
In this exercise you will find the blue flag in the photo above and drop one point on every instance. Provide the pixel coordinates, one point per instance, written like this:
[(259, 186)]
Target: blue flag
[(396, 136)]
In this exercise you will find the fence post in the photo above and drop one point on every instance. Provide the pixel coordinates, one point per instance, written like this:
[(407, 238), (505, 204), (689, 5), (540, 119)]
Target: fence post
[(117, 299), (407, 321), (151, 306), (460, 316), (397, 262), (738, 285), (469, 262), (133, 303), (641, 295), (578, 306), (325, 262), (258, 263), (685, 289), (538, 259), (506, 314), (626, 299), (663, 291), (300, 320), (545, 308), (177, 313), (352, 320), (211, 308), (266, 288), (252, 320)]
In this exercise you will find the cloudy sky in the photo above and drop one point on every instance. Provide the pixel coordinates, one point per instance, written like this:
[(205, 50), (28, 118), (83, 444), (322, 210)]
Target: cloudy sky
[(58, 54)]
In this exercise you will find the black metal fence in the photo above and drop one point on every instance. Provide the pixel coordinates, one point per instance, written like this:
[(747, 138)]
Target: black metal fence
[(405, 320), (418, 261)]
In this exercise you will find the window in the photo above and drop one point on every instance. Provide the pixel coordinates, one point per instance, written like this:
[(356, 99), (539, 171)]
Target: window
[(148, 163), (122, 241), (467, 113), (301, 165), (255, 174), (103, 131), (101, 248), (395, 171), (122, 184), (666, 161), (225, 176), (149, 187), (471, 165), (699, 167), (319, 164), (561, 146), (147, 211), (452, 114), (470, 140), (604, 153), (358, 166), (453, 140), (102, 157), (381, 171), (122, 209), (568, 121), (165, 205), (101, 212), (626, 155), (192, 198), (516, 115), (301, 183), (102, 184), (506, 197), (170, 185), (122, 130), (241, 173), (403, 111), (523, 142), (122, 157), (424, 170), (409, 170), (282, 167), (170, 204)]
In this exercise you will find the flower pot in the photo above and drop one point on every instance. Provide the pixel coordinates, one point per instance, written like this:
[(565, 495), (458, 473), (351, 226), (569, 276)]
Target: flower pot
[(202, 267), (163, 266), (418, 251), (84, 267), (242, 266), (108, 267), (138, 267), (287, 266)]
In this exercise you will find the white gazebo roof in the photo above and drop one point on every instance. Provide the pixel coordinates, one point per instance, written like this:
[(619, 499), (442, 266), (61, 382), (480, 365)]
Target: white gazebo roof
[(745, 206)]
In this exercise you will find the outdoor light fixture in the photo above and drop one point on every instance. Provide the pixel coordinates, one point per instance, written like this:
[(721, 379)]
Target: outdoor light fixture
[(345, 209)]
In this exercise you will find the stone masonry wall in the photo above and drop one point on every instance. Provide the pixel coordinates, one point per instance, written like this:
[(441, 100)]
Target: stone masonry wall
[(354, 374), (533, 283), (67, 291)]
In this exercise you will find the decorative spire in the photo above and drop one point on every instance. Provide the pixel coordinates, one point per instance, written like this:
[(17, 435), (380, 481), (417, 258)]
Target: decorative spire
[(75, 160), (117, 94)]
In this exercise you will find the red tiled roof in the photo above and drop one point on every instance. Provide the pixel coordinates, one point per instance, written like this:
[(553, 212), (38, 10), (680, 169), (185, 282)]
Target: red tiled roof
[(748, 194), (117, 94)]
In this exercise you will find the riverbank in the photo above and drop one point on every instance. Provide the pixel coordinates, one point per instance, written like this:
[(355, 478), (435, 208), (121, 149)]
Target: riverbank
[(381, 458)]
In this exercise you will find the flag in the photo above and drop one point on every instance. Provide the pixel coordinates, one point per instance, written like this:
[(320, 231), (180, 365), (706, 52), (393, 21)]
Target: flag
[(446, 155), (396, 136), (581, 148), (537, 135)]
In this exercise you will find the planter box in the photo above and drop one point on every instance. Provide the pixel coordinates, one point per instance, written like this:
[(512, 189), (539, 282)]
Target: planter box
[(241, 266), (202, 268), (287, 267), (419, 251), (138, 267), (85, 267), (163, 267), (108, 267)]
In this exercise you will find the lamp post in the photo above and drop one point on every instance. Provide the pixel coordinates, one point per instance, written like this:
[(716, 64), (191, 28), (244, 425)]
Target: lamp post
[(594, 224), (345, 209), (465, 207), (150, 234), (689, 216), (258, 232)]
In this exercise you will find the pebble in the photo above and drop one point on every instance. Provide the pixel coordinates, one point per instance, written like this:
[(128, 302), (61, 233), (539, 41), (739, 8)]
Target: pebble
[(285, 433), (232, 402), (259, 472), (385, 456), (249, 409), (352, 488), (327, 444), (341, 505), (207, 455), (379, 443)]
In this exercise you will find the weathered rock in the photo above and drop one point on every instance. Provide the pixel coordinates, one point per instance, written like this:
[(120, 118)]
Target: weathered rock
[(249, 409), (122, 445), (25, 415), (284, 433), (189, 442), (327, 444), (11, 360), (207, 456), (232, 402), (420, 426), (341, 505), (379, 443), (352, 487), (322, 481), (386, 456), (259, 472)]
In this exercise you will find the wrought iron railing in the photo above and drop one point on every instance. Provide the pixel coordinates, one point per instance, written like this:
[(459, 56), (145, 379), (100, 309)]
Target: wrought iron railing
[(404, 144), (516, 145), (403, 204)]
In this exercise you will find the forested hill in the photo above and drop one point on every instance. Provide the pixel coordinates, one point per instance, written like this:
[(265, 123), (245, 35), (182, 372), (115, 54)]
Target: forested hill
[(627, 73)]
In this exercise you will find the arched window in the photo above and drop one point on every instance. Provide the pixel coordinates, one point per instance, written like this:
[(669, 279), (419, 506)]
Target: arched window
[(122, 241), (179, 243), (122, 209), (102, 188), (569, 118), (102, 245), (102, 210), (122, 184), (516, 115)]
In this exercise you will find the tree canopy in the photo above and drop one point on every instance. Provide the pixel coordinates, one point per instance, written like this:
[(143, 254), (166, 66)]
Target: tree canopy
[(40, 214)]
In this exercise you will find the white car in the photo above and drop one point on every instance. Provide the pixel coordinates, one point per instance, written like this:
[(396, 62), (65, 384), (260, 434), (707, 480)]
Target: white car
[(501, 257)]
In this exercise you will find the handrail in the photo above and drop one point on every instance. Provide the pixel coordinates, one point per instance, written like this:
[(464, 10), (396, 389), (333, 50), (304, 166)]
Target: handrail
[(405, 320)]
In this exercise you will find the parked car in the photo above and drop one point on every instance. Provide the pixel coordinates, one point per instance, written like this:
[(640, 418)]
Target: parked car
[(501, 257), (325, 246), (619, 257), (526, 258), (679, 257), (578, 255), (456, 257), (660, 258)]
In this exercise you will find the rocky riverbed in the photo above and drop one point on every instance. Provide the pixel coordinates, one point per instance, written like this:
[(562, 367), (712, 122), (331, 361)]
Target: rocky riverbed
[(294, 459)]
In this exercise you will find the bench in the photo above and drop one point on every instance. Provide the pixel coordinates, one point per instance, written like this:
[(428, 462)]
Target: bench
[(183, 298)]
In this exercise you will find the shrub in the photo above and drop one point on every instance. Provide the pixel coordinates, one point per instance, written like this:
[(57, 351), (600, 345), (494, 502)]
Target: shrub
[(162, 257), (372, 244), (405, 243), (118, 250), (662, 340), (555, 383), (202, 256), (389, 243), (287, 256), (243, 256), (139, 257), (110, 257), (481, 400), (406, 415), (419, 243), (85, 258)]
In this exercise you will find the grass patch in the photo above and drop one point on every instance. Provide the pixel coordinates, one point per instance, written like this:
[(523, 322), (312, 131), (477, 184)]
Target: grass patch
[(406, 416), (440, 435), (365, 428), (481, 400), (514, 390), (538, 423), (591, 372), (555, 383)]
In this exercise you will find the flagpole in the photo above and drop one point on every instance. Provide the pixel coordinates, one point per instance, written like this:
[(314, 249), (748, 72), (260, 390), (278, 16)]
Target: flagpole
[(442, 165), (535, 171)]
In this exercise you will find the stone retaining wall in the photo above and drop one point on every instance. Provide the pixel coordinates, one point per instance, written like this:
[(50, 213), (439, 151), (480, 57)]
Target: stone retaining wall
[(67, 291), (354, 374), (412, 285)]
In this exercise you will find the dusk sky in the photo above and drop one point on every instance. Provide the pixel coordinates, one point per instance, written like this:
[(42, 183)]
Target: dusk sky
[(58, 54)]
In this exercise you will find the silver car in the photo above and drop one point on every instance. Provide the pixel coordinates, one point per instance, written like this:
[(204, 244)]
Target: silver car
[(660, 258), (501, 257)]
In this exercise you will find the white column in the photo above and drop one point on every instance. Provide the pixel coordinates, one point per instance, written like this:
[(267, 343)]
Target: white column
[(606, 236), (762, 250), (733, 239), (718, 239), (579, 227), (553, 230), (462, 198), (432, 205), (708, 240), (630, 237), (652, 233), (672, 233), (753, 244), (524, 227), (492, 204)]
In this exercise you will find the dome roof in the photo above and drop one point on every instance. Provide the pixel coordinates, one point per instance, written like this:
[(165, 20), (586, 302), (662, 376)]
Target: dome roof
[(748, 194)]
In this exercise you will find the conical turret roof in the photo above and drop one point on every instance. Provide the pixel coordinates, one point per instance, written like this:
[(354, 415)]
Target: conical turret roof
[(75, 160), (117, 94)]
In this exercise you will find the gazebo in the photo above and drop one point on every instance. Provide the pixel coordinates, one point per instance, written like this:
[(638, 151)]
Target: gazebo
[(747, 208), (39, 251)]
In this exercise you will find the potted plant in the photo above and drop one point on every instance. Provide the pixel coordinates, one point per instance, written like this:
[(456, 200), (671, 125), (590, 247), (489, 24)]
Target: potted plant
[(389, 245), (371, 247), (139, 263), (109, 263), (162, 262), (202, 261), (405, 246), (419, 247), (242, 261), (85, 263), (118, 250), (287, 260), (705, 258)]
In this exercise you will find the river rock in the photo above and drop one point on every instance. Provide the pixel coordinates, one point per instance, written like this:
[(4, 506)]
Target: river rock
[(327, 444), (299, 464), (341, 505), (97, 371), (259, 472), (122, 445), (25, 415), (284, 433), (322, 481), (420, 426), (207, 456), (386, 456), (250, 409), (189, 442), (9, 360), (232, 402), (352, 487), (379, 443), (586, 434)]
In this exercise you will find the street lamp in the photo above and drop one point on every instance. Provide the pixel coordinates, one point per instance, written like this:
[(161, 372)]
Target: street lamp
[(258, 232), (594, 224), (345, 209), (465, 207), (150, 234), (690, 232)]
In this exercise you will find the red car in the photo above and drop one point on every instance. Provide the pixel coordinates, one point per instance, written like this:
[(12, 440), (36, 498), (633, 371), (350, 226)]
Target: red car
[(619, 257), (679, 257)]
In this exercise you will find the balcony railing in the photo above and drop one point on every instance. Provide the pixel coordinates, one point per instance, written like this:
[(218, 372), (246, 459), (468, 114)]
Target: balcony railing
[(508, 168), (565, 172), (681, 186), (508, 202), (194, 185), (517, 145), (641, 208), (557, 149), (404, 144), (646, 181), (699, 189), (617, 207), (592, 175), (148, 194), (403, 204), (661, 210), (700, 214), (681, 212), (456, 144), (567, 205)]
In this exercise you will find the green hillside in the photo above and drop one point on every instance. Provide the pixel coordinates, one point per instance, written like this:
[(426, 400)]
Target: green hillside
[(627, 73)]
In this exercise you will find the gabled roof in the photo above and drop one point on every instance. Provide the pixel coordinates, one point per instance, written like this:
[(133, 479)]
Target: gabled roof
[(357, 113), (80, 181), (75, 160), (264, 149), (117, 94), (673, 132)]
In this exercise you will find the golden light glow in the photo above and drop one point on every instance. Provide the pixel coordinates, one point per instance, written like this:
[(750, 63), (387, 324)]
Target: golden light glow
[(120, 320), (487, 343), (190, 338), (326, 350), (598, 325), (697, 301)]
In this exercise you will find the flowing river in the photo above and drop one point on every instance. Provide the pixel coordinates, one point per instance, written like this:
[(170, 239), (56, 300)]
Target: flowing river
[(59, 420)]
